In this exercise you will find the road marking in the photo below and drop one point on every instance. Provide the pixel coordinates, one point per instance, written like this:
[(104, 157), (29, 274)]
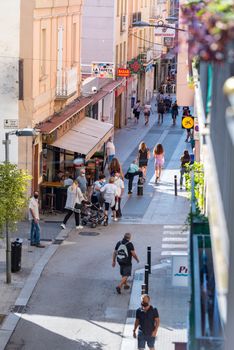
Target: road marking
[(175, 252), (175, 239), (174, 227), (176, 233), (172, 246)]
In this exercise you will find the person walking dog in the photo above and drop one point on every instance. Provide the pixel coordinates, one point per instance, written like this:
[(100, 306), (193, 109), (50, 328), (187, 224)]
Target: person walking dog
[(123, 253), (147, 319)]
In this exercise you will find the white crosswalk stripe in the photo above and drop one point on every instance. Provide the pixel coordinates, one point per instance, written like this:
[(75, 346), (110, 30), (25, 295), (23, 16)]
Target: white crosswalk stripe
[(175, 240)]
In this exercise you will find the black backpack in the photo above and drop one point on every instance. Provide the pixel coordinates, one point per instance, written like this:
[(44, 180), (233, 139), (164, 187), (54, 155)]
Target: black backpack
[(122, 253)]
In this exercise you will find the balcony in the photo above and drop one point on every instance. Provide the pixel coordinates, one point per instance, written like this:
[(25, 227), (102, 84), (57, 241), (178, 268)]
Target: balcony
[(66, 83)]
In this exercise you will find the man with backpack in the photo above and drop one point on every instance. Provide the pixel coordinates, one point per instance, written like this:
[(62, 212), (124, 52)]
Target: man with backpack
[(123, 253)]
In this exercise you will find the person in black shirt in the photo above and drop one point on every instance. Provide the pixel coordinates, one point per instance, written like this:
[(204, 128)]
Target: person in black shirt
[(147, 319), (123, 253)]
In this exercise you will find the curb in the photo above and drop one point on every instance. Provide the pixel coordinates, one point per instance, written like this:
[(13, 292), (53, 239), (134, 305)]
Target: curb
[(13, 318), (128, 342)]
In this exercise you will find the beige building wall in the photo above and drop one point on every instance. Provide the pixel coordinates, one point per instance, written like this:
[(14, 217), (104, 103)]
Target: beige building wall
[(49, 43)]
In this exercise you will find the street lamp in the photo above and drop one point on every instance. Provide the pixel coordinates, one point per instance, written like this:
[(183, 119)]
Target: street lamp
[(20, 132), (160, 24)]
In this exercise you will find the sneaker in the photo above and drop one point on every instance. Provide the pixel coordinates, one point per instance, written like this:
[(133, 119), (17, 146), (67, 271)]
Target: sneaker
[(129, 192), (118, 290), (39, 245), (79, 227), (126, 286), (63, 226), (115, 219)]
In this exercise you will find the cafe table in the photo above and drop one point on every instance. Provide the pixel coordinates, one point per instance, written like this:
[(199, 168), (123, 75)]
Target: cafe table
[(52, 185)]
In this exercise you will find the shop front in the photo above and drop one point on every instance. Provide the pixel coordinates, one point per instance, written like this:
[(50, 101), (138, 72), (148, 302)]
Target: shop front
[(77, 142)]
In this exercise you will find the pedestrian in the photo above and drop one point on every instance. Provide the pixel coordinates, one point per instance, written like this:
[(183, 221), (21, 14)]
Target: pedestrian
[(133, 170), (97, 198), (147, 111), (73, 204), (184, 162), (110, 150), (159, 161), (33, 215), (137, 111), (68, 181), (123, 253), (109, 191), (143, 157), (168, 101), (147, 321), (114, 167), (82, 181), (120, 191), (174, 112), (161, 111)]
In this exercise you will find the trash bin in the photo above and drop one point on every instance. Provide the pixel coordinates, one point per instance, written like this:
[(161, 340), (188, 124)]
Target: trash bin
[(16, 250)]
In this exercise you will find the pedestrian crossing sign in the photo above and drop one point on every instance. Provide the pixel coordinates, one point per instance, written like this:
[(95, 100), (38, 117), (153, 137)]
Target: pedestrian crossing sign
[(187, 122)]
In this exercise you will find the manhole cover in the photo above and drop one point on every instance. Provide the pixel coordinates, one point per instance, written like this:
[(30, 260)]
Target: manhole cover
[(89, 233)]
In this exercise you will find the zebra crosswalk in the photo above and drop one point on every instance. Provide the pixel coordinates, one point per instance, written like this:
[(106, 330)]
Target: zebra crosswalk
[(175, 240)]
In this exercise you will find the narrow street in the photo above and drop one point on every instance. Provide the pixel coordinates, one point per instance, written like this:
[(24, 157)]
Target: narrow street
[(75, 305)]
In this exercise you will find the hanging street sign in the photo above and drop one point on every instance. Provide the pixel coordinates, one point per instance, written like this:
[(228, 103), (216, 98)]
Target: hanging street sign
[(103, 70), (11, 123), (123, 72), (187, 122), (164, 31)]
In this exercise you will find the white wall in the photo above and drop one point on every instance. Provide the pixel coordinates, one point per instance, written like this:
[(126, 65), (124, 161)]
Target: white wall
[(9, 55), (97, 34)]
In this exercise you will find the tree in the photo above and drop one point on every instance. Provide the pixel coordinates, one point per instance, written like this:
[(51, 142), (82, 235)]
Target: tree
[(13, 194)]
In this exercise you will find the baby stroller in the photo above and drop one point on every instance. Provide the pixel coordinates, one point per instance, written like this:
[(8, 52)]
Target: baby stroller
[(92, 214)]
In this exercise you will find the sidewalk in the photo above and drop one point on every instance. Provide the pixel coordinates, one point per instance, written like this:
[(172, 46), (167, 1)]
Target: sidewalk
[(172, 302)]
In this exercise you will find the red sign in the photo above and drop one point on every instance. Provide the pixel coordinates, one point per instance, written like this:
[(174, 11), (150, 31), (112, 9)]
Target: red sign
[(122, 72)]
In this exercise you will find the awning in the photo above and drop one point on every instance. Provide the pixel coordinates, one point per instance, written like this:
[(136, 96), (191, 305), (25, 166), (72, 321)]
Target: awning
[(86, 137)]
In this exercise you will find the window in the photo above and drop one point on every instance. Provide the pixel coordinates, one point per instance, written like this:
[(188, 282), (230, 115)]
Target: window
[(117, 55), (73, 44), (43, 52), (118, 8), (121, 54), (124, 53)]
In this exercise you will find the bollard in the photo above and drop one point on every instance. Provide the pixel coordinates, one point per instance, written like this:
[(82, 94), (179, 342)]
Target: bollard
[(147, 279), (143, 289), (175, 182), (140, 186), (149, 258)]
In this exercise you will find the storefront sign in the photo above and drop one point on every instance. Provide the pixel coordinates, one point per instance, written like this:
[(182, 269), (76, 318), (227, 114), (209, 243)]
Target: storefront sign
[(122, 72), (180, 271), (62, 129), (165, 31), (187, 122), (11, 124), (103, 70)]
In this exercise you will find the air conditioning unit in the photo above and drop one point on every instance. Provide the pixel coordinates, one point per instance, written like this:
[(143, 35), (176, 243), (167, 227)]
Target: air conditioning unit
[(123, 27)]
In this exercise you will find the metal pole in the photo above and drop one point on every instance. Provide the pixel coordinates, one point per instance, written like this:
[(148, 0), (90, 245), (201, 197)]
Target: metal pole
[(149, 258), (175, 183), (8, 240), (143, 289), (146, 279)]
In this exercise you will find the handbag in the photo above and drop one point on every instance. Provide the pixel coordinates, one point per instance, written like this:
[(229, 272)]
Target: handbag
[(77, 207)]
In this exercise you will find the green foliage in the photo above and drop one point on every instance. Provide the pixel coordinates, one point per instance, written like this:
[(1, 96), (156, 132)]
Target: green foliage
[(13, 194), (197, 170)]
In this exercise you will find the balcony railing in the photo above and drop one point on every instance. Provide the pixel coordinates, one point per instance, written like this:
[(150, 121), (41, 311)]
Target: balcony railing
[(136, 17), (66, 83)]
